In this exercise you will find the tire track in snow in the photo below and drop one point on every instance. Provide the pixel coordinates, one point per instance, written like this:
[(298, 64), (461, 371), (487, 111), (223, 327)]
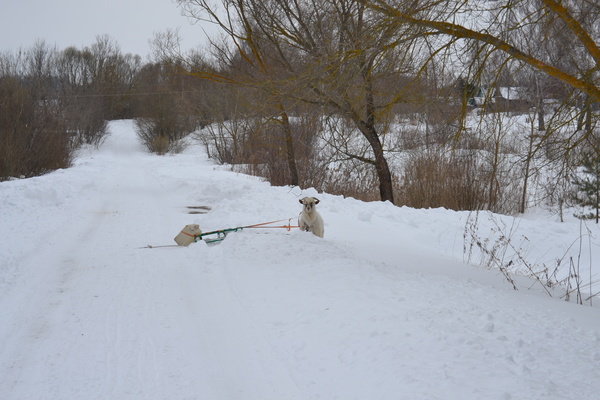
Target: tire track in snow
[(178, 326), (223, 334), (91, 312), (132, 360)]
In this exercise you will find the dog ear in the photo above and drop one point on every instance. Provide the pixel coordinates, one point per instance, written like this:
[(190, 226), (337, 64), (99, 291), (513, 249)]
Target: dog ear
[(301, 201), (316, 200)]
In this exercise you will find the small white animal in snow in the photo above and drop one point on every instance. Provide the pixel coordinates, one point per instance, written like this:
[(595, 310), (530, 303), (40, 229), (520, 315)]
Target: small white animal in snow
[(309, 219)]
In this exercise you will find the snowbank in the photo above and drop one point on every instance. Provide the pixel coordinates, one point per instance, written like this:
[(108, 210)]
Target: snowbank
[(383, 307)]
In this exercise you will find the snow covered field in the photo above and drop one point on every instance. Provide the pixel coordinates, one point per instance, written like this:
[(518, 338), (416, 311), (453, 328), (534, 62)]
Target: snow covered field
[(382, 308)]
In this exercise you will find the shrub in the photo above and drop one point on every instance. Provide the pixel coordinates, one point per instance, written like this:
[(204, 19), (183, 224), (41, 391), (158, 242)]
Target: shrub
[(160, 135), (86, 122), (33, 139), (433, 179)]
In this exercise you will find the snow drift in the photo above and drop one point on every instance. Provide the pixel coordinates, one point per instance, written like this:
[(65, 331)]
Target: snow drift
[(382, 308)]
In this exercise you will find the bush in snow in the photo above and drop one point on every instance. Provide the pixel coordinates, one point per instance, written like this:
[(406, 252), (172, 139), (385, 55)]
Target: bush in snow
[(587, 185)]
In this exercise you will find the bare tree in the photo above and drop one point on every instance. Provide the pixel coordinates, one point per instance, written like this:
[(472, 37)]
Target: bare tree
[(240, 60), (550, 45), (331, 54), (95, 84), (574, 19), (33, 135)]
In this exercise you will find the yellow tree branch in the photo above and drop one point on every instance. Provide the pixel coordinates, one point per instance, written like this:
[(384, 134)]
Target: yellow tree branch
[(459, 31), (576, 28)]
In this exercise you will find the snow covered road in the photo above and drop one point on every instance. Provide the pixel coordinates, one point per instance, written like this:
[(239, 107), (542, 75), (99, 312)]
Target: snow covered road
[(379, 309)]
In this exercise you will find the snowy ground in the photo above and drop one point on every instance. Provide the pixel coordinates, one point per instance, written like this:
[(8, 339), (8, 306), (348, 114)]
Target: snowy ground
[(382, 308)]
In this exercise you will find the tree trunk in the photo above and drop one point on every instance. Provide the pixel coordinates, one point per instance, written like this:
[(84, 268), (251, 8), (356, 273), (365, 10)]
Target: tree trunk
[(289, 147), (541, 127), (597, 190), (526, 177), (384, 174), (540, 105), (492, 195), (386, 190), (368, 129)]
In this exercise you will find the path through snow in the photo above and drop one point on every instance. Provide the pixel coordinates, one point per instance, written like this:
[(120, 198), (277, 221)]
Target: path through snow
[(379, 309)]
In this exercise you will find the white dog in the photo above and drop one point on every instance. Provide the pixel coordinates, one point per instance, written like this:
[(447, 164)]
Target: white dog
[(309, 219)]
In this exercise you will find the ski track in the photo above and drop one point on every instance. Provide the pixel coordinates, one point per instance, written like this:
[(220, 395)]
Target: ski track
[(118, 336), (261, 315)]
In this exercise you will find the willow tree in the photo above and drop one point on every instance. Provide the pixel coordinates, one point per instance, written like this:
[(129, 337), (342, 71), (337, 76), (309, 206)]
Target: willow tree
[(243, 59), (557, 38), (332, 54), (555, 41)]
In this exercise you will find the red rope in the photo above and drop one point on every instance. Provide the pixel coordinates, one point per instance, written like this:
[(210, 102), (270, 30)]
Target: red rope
[(288, 226)]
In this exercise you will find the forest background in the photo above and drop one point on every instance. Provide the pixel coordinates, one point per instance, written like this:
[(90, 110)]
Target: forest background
[(471, 105)]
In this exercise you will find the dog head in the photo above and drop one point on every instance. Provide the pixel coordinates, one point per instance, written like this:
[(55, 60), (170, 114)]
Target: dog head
[(309, 203)]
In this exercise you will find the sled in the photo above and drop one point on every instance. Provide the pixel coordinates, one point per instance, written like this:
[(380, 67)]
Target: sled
[(193, 234), (216, 236)]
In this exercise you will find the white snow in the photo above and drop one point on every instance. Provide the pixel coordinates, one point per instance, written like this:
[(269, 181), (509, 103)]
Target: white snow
[(383, 307)]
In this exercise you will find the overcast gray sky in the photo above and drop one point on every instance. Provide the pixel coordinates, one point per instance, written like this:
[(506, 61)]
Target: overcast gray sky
[(77, 23)]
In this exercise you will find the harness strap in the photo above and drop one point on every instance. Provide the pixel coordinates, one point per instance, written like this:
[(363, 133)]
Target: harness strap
[(288, 226), (223, 232)]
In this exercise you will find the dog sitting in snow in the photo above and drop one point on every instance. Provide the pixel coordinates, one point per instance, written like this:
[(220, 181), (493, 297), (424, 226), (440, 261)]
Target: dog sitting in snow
[(309, 219)]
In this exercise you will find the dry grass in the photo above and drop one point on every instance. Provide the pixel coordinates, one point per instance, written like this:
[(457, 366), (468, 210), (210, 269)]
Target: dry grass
[(433, 179), (33, 139)]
